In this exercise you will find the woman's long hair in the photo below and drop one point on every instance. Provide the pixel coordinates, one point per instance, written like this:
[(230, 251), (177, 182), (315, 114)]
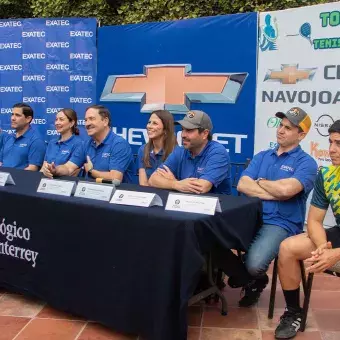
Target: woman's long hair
[(169, 141), (72, 117)]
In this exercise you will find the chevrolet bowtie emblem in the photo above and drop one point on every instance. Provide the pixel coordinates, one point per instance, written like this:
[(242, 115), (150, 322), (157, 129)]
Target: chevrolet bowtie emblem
[(173, 87), (290, 74)]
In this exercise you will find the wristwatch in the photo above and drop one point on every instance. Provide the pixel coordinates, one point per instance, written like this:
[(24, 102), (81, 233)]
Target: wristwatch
[(259, 179)]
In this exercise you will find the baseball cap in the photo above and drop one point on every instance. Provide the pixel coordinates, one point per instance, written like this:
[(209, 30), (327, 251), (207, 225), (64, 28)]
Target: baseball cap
[(196, 119), (298, 117)]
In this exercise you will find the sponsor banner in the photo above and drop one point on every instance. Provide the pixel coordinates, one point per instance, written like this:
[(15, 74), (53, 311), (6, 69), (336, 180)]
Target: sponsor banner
[(48, 64), (298, 65), (178, 66)]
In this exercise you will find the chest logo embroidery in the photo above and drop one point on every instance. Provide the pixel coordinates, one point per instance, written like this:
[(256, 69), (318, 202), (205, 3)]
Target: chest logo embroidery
[(287, 168)]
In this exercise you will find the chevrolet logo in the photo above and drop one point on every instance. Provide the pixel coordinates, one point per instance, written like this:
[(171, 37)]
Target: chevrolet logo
[(290, 74), (173, 88)]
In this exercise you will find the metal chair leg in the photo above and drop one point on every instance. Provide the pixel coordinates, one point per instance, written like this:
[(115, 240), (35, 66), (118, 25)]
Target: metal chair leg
[(224, 309), (308, 292), (307, 288), (273, 290), (212, 290), (303, 276)]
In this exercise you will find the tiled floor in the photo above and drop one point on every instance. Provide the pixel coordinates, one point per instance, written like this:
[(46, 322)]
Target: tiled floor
[(25, 319)]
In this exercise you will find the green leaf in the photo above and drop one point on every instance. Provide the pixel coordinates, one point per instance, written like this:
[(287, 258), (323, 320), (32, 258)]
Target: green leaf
[(133, 11)]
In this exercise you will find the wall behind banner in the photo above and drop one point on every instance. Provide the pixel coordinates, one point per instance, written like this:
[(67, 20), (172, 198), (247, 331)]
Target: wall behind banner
[(48, 64), (298, 65), (186, 58)]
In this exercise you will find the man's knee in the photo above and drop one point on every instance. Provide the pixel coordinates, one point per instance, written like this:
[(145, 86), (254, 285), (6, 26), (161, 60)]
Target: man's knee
[(256, 267), (294, 246), (287, 247)]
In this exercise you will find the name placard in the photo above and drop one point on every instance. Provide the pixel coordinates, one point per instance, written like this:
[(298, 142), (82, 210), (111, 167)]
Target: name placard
[(94, 191), (193, 204), (56, 187), (136, 198), (6, 178)]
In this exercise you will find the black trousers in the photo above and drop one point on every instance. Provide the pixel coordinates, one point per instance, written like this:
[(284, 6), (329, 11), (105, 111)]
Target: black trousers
[(231, 264)]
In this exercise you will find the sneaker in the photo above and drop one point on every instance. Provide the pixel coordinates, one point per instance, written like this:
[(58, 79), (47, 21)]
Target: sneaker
[(237, 282), (289, 325), (252, 291)]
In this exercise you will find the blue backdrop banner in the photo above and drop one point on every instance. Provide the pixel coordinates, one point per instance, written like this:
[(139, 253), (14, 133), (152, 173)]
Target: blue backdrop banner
[(206, 63), (48, 64)]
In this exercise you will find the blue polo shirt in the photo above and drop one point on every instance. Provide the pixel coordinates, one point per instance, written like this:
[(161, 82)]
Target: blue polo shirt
[(287, 214), (155, 160), (212, 164), (60, 152), (113, 153), (22, 151)]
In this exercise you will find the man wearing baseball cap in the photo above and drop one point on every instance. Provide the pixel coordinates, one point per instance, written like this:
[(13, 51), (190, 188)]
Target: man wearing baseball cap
[(282, 177), (319, 247), (201, 165)]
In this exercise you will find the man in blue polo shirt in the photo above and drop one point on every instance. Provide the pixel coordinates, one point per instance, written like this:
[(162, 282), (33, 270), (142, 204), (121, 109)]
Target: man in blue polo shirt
[(105, 155), (319, 247), (201, 165), (24, 149), (282, 177)]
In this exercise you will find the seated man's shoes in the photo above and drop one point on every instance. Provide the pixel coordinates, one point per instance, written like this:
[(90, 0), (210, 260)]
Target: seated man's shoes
[(290, 323), (253, 290), (237, 281)]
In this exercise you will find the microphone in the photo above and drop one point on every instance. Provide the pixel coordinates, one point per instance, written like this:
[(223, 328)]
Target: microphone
[(115, 182)]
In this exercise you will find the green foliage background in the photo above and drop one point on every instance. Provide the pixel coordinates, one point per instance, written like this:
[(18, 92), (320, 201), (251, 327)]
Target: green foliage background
[(134, 11)]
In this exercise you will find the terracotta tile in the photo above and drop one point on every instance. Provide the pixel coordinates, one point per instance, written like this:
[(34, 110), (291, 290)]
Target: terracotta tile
[(327, 320), (325, 300), (95, 331), (330, 335), (194, 316), (269, 335), (194, 333), (232, 295), (244, 318), (326, 282), (17, 305), (265, 297), (50, 313), (230, 334), (10, 326), (271, 324), (43, 329)]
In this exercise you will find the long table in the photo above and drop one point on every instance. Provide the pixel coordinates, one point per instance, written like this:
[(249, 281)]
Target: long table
[(133, 269)]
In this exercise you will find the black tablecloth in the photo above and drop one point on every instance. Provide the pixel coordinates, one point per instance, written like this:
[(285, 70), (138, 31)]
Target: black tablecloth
[(130, 268)]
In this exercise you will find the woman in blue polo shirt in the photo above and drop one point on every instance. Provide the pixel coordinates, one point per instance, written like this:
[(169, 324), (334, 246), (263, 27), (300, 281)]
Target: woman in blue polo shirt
[(162, 141), (60, 150)]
